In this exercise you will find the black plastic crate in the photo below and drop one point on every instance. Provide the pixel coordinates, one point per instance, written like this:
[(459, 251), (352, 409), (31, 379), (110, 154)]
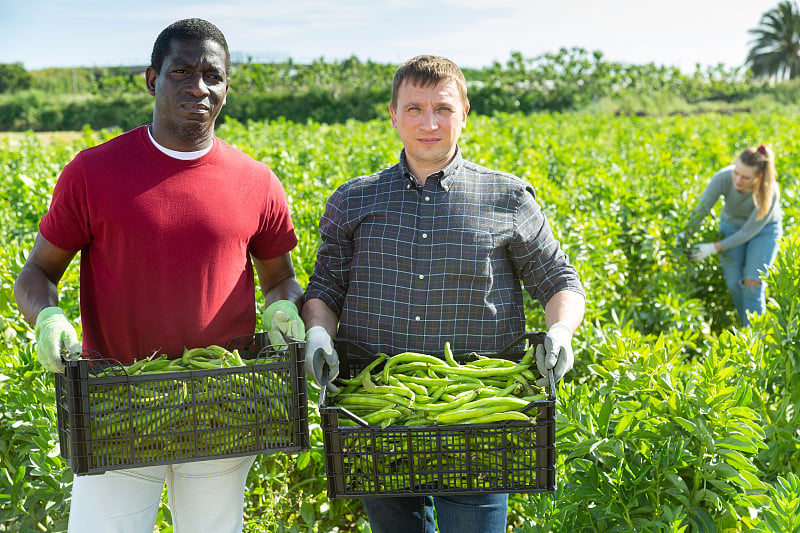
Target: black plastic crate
[(499, 457), (108, 420)]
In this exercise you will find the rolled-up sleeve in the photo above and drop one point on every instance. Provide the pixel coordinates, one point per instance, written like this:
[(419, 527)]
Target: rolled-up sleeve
[(537, 256), (330, 278)]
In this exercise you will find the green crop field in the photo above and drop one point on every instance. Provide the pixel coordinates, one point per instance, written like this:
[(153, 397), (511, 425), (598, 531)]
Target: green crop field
[(672, 420)]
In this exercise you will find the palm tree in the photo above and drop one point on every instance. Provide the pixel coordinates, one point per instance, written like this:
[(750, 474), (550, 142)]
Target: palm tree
[(775, 50)]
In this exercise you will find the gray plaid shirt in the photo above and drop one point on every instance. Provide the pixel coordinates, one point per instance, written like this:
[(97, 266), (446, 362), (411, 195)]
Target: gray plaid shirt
[(408, 268)]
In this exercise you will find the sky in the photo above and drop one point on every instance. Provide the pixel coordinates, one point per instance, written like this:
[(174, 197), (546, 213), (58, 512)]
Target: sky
[(473, 33)]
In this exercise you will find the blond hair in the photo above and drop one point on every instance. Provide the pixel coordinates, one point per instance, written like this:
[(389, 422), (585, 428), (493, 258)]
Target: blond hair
[(428, 71), (763, 160)]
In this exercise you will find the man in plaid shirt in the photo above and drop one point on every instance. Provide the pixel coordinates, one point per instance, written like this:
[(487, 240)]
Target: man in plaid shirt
[(436, 249)]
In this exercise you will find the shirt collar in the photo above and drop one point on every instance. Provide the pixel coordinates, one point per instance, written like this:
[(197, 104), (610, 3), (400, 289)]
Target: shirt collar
[(444, 177), (183, 156)]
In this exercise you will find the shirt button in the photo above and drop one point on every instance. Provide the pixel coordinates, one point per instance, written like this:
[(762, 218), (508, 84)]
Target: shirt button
[(427, 198), (421, 276), (424, 235), (417, 318), (408, 185)]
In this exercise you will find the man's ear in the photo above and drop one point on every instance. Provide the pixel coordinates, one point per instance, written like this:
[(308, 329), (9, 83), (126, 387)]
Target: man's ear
[(394, 116), (150, 76), (227, 88)]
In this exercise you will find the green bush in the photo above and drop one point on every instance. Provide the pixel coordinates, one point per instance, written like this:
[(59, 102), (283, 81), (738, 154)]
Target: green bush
[(14, 77), (315, 105), (36, 111)]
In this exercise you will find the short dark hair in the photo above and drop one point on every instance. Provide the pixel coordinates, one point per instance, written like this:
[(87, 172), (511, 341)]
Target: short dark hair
[(187, 29), (428, 71)]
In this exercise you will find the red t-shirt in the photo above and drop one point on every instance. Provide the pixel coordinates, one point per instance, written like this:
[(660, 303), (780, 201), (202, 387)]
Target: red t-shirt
[(165, 244)]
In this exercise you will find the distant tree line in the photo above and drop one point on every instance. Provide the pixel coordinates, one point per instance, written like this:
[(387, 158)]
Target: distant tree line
[(570, 79), (69, 98)]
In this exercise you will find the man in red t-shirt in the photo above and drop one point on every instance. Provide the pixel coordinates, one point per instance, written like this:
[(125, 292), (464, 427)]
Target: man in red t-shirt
[(170, 222)]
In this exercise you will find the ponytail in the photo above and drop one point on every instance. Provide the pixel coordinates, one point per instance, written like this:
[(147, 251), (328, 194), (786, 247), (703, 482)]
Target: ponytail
[(762, 159)]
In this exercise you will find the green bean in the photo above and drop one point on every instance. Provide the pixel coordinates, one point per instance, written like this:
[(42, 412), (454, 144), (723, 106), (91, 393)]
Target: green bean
[(491, 363), (410, 357), (197, 364), (455, 417), (527, 359), (417, 388), (438, 392), (448, 355), (425, 381), (369, 386), (506, 401), (419, 421), (519, 378), (466, 379), (152, 364), (134, 367), (459, 387), (379, 358), (482, 372), (420, 368), (457, 401), (498, 417), (382, 414), (364, 400)]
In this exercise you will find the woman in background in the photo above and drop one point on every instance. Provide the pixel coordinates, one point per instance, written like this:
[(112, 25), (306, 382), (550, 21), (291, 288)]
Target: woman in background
[(750, 224)]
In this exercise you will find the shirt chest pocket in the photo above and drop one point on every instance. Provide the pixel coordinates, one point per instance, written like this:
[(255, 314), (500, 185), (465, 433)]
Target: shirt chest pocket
[(464, 255), (382, 243)]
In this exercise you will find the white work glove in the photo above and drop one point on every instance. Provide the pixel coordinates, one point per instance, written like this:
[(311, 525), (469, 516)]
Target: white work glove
[(319, 351), (555, 353), (701, 251), (54, 335), (283, 324)]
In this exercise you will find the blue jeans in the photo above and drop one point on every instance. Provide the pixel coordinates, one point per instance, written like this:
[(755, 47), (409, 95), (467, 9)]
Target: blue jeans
[(749, 260), (455, 513)]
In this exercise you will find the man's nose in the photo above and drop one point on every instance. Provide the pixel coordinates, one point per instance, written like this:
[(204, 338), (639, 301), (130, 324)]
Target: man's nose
[(429, 121), (198, 85)]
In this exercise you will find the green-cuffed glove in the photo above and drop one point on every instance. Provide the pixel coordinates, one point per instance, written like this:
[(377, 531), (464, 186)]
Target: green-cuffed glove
[(283, 323), (54, 335)]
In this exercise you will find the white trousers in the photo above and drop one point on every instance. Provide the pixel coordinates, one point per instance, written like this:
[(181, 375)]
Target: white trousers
[(203, 496)]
